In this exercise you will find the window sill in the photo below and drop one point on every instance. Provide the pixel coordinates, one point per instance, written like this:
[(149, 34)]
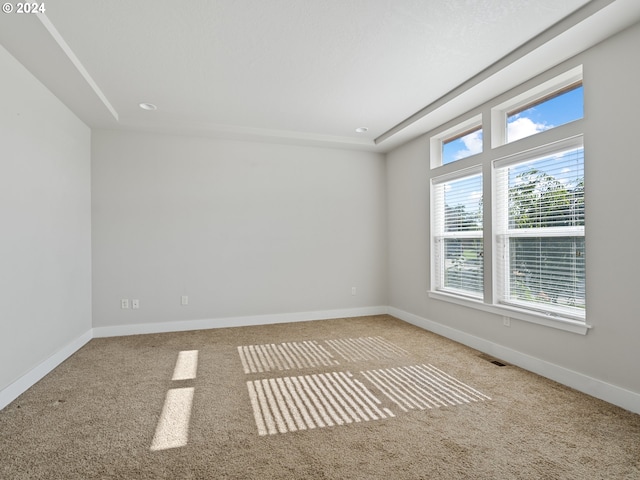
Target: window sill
[(566, 324)]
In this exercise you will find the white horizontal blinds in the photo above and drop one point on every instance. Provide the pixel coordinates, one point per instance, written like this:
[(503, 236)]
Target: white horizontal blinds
[(549, 272), (458, 235), (548, 192), (540, 228)]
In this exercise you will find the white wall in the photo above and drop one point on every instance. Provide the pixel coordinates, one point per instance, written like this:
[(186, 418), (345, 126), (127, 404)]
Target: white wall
[(610, 353), (243, 229), (45, 222)]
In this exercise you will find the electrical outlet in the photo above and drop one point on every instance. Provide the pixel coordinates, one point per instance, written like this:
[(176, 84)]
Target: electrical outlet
[(124, 303), (135, 303), (184, 300), (354, 290), (506, 321)]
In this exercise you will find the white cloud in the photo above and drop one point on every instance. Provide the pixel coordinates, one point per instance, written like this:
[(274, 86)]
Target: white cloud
[(523, 127), (472, 144)]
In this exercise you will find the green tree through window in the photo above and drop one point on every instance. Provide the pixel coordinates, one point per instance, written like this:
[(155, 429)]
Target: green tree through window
[(547, 268)]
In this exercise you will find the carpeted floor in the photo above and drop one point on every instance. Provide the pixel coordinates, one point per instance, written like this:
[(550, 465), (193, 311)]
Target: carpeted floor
[(360, 398)]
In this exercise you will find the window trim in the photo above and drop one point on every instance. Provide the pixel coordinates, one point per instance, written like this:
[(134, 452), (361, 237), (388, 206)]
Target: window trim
[(492, 118), (557, 322), (438, 274), (545, 90), (568, 143), (501, 282)]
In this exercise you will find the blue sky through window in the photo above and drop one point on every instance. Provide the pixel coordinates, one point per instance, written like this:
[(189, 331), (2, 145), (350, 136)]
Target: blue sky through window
[(551, 113), (462, 147), (556, 111)]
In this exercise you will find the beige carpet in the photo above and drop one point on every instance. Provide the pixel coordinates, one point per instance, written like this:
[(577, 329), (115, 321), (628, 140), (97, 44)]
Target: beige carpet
[(362, 398)]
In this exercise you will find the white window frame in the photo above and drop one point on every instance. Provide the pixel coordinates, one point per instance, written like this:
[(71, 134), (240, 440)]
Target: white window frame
[(499, 113), (439, 235), (492, 118), (502, 233)]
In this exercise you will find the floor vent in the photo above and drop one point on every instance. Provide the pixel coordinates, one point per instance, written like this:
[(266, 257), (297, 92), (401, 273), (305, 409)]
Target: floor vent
[(493, 360)]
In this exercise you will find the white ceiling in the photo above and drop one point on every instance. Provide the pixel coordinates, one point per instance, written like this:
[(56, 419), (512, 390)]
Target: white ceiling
[(303, 71)]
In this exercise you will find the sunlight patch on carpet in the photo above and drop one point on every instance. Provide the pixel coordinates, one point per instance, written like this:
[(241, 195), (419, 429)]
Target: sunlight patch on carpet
[(310, 354), (422, 387), (172, 430), (186, 365), (173, 427), (290, 404), (366, 348), (284, 356)]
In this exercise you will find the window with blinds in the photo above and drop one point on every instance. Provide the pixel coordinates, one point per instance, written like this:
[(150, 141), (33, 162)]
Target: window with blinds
[(539, 229), (520, 251), (458, 235)]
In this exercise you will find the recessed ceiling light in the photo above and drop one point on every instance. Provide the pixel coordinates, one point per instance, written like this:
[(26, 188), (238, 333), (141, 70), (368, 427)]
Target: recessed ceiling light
[(148, 106), (362, 129)]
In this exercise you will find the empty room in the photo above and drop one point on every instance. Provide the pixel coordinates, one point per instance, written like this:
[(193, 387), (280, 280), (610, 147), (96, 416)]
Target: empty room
[(300, 239)]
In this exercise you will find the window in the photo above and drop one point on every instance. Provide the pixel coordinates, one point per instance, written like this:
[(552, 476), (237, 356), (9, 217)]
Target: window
[(535, 243), (458, 239), (461, 141), (558, 108), (546, 106), (462, 145), (539, 228)]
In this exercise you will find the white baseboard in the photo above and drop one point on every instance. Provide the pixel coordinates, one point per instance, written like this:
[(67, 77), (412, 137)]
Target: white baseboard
[(591, 386), (17, 388), (204, 324)]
